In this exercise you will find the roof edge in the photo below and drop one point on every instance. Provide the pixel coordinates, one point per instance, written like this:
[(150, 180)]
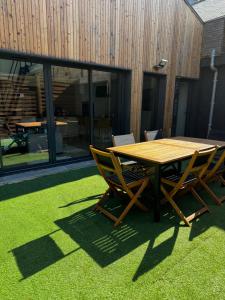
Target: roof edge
[(215, 19), (195, 13)]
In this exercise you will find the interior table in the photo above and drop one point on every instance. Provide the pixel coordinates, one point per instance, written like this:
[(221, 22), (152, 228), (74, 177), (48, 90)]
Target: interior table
[(163, 152), (34, 127), (28, 125)]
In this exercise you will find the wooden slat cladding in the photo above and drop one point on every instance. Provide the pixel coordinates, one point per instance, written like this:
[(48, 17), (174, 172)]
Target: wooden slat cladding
[(132, 34)]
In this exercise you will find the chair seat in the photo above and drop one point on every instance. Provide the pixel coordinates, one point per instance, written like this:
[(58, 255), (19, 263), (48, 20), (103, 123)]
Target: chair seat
[(173, 179), (129, 163), (129, 177)]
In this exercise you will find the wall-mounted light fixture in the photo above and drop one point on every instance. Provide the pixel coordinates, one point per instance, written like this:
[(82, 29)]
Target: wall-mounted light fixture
[(163, 62)]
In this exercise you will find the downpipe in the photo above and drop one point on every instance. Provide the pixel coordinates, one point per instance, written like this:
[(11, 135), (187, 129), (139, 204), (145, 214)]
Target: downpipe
[(215, 79)]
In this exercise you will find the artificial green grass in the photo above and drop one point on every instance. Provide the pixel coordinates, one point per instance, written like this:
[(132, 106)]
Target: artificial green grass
[(53, 246)]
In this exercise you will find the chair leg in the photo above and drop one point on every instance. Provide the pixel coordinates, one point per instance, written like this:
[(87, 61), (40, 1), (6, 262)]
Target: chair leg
[(141, 206), (174, 205), (103, 199), (198, 198), (134, 199), (222, 179), (210, 192), (202, 210)]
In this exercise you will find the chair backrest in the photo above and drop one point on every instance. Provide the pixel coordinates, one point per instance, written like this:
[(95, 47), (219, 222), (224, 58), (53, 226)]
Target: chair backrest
[(107, 163), (198, 165), (217, 164), (125, 139), (153, 135)]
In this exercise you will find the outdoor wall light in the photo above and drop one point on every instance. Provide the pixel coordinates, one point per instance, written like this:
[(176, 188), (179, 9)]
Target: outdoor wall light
[(161, 64)]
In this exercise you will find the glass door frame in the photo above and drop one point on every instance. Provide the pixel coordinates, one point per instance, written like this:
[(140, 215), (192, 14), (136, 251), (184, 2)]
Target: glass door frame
[(162, 78), (190, 98), (48, 62)]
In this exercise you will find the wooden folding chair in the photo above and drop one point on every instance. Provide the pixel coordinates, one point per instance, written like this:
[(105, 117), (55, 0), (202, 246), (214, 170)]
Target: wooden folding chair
[(187, 181), (133, 184), (121, 140), (153, 135), (216, 171)]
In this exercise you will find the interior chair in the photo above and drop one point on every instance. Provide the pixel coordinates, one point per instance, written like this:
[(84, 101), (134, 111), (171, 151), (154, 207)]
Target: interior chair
[(186, 181), (216, 171), (153, 135), (18, 138), (128, 182)]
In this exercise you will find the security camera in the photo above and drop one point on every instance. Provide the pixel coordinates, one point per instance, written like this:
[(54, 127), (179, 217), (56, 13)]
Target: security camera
[(161, 64)]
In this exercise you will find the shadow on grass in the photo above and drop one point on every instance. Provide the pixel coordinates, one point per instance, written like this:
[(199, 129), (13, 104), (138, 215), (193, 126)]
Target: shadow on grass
[(26, 187), (37, 255), (155, 255), (213, 219), (96, 235), (90, 198), (105, 244)]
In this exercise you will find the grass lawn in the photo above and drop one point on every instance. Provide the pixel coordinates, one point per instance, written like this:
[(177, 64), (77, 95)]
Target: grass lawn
[(53, 246)]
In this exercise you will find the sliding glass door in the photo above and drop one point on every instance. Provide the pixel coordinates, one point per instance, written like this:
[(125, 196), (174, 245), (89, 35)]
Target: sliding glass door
[(51, 113), (70, 89), (153, 98), (23, 132), (109, 111), (181, 107)]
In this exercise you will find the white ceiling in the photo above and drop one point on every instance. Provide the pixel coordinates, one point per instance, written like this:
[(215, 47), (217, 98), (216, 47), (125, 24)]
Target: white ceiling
[(210, 9)]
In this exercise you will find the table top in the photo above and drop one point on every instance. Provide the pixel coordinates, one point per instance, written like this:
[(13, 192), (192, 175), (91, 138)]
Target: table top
[(161, 151), (36, 124), (200, 140)]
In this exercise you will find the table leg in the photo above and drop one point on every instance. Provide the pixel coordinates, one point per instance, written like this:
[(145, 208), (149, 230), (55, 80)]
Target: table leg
[(157, 193)]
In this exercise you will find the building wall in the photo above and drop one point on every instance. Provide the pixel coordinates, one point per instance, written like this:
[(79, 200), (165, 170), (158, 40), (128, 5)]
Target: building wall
[(131, 34), (213, 37), (201, 107)]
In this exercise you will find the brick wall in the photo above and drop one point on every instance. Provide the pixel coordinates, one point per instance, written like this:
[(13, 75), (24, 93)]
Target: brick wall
[(214, 37)]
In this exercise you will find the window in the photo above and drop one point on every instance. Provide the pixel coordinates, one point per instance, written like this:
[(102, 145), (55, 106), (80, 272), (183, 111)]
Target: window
[(72, 114), (23, 130), (153, 96), (45, 124)]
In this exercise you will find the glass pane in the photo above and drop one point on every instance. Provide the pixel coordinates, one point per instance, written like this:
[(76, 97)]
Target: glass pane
[(71, 105), (107, 105), (23, 132), (150, 102), (181, 101)]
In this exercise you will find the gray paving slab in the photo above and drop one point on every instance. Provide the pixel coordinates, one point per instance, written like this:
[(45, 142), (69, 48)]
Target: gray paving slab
[(28, 175)]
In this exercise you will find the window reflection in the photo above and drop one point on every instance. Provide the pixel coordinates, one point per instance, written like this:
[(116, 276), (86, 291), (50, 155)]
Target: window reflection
[(71, 105), (23, 133)]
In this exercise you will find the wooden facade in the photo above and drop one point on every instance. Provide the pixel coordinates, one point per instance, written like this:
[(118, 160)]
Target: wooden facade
[(130, 34)]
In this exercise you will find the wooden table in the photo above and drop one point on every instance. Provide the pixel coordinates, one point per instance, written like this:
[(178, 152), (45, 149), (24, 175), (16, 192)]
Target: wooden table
[(200, 140), (162, 152)]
